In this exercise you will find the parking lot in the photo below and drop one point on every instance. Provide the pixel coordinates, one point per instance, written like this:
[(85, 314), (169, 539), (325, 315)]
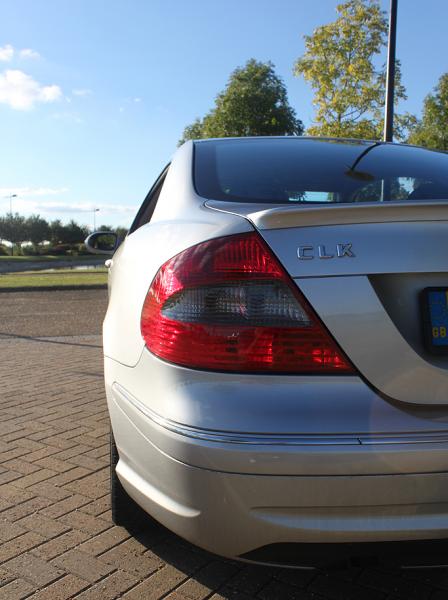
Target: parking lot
[(56, 537)]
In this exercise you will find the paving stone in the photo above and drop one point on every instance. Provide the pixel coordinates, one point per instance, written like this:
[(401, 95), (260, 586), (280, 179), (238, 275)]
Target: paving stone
[(9, 531), (104, 541), (53, 463), (390, 582), (20, 544), (206, 581), (19, 511), (36, 477), (157, 585), (125, 557), (65, 506), (48, 490), (15, 495), (338, 589), (31, 568), (250, 579), (84, 522), (276, 590), (109, 588), (60, 544), (48, 528), (5, 577), (83, 565), (21, 466), (65, 588), (16, 590), (227, 593), (97, 507)]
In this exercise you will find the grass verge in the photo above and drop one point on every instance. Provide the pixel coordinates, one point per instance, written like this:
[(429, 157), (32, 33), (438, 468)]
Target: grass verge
[(54, 279), (48, 258)]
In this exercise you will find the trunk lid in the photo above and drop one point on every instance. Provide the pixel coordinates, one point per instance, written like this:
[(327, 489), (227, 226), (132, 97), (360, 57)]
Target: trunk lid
[(363, 267)]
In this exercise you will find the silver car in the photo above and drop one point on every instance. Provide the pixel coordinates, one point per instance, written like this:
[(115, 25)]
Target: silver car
[(276, 351)]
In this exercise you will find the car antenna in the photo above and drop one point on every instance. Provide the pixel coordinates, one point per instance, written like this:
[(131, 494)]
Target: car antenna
[(362, 175)]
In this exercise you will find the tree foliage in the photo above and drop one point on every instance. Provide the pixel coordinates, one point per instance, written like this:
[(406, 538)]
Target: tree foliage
[(56, 231), (13, 227), (432, 130), (38, 229), (254, 102), (17, 229), (72, 233), (340, 64)]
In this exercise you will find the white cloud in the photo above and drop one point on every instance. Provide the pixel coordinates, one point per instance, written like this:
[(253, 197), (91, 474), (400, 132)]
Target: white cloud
[(71, 209), (29, 53), (82, 92), (37, 200), (6, 53), (21, 92), (82, 212), (32, 191), (83, 207), (137, 100), (50, 93), (26, 202)]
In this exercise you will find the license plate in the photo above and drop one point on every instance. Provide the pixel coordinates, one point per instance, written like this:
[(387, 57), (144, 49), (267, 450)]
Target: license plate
[(435, 319)]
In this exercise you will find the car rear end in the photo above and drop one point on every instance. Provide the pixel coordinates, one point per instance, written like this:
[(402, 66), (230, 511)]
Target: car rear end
[(276, 370)]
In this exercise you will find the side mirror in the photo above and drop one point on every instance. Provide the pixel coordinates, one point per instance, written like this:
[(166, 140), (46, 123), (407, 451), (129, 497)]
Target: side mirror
[(102, 242)]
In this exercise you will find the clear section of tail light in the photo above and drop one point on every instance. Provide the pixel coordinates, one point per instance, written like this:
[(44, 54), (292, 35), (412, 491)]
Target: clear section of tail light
[(228, 305)]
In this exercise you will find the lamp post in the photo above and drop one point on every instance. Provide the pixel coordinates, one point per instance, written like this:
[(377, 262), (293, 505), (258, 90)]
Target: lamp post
[(11, 196), (390, 83), (95, 210)]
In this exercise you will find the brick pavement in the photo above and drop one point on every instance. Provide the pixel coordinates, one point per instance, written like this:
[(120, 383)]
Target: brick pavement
[(56, 537)]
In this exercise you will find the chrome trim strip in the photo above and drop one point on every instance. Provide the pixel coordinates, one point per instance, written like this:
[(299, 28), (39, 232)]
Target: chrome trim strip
[(230, 437), (260, 439), (403, 438)]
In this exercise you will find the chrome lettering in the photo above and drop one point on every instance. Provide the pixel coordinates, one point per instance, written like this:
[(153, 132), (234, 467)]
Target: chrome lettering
[(345, 250), (323, 253), (303, 252), (308, 252)]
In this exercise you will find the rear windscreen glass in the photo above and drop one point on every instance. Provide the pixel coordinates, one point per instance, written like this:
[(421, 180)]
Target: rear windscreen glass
[(300, 170)]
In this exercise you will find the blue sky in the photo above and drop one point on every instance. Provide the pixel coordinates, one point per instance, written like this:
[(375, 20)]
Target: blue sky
[(94, 94)]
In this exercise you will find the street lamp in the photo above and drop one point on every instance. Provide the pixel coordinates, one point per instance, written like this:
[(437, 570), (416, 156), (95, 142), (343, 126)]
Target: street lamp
[(95, 210), (11, 196), (390, 84)]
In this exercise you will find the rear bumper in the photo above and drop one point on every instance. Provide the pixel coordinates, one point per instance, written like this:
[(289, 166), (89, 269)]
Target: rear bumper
[(198, 489)]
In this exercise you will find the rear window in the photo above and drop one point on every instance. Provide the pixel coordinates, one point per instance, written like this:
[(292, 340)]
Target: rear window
[(305, 170)]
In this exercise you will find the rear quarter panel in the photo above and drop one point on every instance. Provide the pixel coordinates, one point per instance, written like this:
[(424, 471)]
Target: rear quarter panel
[(179, 221)]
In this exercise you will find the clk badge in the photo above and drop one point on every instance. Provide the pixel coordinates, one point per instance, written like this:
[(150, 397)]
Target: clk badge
[(310, 252)]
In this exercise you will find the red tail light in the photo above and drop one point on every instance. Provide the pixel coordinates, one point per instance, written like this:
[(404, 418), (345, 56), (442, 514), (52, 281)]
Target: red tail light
[(227, 304)]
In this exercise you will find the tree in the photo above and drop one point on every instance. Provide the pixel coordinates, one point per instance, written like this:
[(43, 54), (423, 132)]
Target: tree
[(38, 229), (432, 130), (56, 231), (339, 63), (14, 229), (194, 131), (254, 102), (72, 233), (121, 232)]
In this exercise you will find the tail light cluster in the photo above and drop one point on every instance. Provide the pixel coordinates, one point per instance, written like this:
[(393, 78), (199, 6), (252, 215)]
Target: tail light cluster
[(227, 304)]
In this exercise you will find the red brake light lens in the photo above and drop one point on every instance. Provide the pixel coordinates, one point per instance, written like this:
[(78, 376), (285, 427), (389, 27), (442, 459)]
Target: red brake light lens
[(228, 305)]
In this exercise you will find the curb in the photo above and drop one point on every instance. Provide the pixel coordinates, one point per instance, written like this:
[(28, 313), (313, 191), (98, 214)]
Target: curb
[(54, 288)]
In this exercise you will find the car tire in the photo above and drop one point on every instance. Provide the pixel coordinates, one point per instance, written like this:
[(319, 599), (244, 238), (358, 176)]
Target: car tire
[(125, 511)]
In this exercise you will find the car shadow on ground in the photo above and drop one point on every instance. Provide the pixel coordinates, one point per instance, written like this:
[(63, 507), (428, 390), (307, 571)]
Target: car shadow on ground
[(230, 579)]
